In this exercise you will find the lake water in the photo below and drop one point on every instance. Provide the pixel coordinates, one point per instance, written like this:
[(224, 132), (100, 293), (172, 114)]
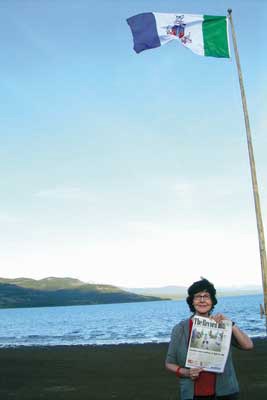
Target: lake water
[(116, 323)]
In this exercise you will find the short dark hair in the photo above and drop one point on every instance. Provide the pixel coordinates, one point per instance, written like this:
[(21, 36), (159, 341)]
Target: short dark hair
[(201, 286)]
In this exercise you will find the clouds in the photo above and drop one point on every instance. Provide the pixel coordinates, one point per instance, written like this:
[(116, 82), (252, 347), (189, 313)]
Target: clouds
[(86, 235), (10, 219), (65, 193), (168, 256), (172, 232)]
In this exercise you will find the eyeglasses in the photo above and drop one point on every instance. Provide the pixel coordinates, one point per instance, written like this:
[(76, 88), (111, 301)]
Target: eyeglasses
[(199, 297)]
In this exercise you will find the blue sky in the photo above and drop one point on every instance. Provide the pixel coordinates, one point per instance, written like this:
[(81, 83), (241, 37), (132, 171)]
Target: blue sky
[(122, 168)]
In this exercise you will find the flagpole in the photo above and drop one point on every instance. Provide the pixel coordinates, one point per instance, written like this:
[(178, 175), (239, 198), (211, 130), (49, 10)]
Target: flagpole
[(252, 170)]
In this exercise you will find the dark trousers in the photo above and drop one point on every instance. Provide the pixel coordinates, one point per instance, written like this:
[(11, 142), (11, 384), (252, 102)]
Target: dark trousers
[(233, 396)]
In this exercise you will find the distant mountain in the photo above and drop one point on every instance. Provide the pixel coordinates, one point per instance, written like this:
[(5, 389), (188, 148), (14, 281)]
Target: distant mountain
[(50, 283), (239, 290), (179, 292), (25, 292), (165, 292)]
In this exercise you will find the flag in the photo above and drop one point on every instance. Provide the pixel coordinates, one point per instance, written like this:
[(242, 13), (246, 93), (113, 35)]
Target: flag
[(205, 35)]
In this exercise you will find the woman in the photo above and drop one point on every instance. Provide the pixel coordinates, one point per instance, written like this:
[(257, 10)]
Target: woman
[(194, 382)]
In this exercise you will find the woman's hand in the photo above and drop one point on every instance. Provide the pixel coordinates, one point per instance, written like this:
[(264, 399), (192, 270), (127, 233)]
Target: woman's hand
[(194, 373), (219, 318), (191, 373), (241, 337)]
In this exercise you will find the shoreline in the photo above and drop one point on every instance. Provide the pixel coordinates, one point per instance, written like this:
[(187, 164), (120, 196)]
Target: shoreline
[(119, 372), (41, 346)]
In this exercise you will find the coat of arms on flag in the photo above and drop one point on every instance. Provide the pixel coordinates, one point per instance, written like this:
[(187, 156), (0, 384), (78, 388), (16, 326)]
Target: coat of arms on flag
[(178, 28)]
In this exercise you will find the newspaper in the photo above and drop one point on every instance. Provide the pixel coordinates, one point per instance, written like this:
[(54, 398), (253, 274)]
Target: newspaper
[(209, 344)]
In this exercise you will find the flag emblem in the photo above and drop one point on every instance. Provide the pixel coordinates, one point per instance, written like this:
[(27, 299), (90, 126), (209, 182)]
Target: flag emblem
[(178, 28)]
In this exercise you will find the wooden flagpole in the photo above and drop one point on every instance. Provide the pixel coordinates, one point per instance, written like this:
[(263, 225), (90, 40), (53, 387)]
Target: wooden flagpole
[(252, 170)]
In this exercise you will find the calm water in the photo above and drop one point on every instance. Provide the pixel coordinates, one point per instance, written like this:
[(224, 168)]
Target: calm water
[(115, 323)]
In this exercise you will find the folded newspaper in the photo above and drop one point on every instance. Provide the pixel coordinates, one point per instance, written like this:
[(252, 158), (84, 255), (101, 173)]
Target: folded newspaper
[(209, 344)]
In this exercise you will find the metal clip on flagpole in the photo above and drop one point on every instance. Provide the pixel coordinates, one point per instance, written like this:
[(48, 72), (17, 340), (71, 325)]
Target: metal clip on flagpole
[(253, 172)]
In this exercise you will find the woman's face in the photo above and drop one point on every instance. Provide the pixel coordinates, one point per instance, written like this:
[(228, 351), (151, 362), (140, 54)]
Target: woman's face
[(202, 303)]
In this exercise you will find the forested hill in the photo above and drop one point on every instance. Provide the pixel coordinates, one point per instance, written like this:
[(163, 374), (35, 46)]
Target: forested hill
[(25, 292)]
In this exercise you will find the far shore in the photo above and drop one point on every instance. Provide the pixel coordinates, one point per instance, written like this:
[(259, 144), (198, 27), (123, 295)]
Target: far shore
[(118, 372)]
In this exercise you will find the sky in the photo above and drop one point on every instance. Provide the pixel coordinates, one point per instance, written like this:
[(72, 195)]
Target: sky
[(128, 169)]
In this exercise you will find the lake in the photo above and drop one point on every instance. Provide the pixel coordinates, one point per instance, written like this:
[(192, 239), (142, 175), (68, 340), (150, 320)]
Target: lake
[(116, 323)]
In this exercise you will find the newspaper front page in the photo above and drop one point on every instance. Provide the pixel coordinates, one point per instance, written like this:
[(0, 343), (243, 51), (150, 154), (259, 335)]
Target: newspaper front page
[(209, 344)]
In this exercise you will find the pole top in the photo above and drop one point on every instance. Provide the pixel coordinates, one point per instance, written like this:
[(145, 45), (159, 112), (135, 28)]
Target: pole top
[(229, 11)]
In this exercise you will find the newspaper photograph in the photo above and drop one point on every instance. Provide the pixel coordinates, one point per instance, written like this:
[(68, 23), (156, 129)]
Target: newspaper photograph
[(209, 344)]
